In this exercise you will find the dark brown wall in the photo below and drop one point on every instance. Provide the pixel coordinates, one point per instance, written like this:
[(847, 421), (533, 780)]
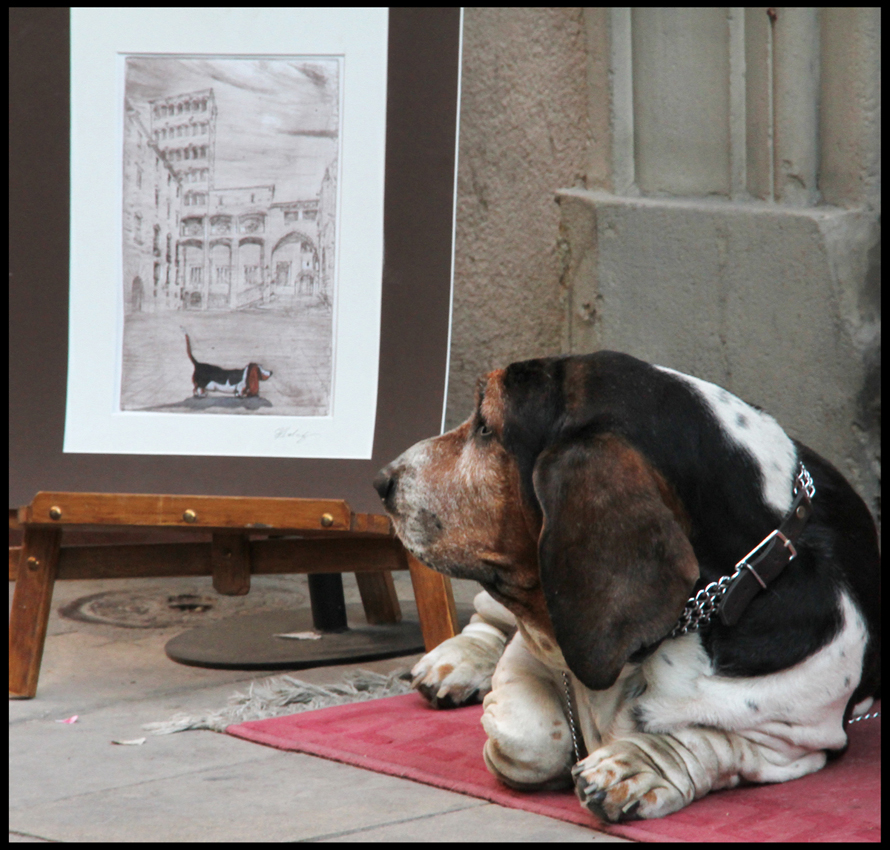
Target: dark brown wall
[(420, 150)]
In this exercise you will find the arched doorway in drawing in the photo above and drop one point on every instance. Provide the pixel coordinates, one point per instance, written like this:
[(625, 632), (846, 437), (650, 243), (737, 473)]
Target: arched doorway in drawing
[(137, 293), (295, 266), (221, 270), (250, 288), (191, 259)]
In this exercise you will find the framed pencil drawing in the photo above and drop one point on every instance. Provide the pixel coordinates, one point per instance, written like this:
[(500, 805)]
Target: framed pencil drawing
[(248, 124), (227, 171)]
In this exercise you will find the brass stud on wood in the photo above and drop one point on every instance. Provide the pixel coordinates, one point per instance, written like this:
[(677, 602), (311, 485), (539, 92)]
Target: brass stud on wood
[(33, 563), (327, 520), (190, 516), (55, 512)]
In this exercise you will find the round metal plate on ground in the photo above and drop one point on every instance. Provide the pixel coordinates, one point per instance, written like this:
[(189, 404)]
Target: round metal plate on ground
[(249, 642), (135, 610), (190, 605)]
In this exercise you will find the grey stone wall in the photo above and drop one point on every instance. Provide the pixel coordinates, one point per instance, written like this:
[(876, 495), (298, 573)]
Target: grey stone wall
[(697, 187)]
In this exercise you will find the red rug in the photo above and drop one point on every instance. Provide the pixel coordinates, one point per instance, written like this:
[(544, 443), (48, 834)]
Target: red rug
[(403, 736)]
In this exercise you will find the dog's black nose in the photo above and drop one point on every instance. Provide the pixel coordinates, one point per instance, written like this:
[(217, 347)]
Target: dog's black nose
[(385, 485)]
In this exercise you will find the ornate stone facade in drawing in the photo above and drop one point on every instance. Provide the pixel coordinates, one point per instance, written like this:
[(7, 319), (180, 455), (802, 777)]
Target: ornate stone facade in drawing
[(229, 224)]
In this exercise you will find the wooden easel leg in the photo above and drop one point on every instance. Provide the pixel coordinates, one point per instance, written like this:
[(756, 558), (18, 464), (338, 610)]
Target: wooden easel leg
[(31, 603), (379, 598), (230, 562), (435, 603)]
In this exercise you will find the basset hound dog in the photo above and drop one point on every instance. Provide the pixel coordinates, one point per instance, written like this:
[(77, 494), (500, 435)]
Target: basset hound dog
[(244, 382), (678, 597)]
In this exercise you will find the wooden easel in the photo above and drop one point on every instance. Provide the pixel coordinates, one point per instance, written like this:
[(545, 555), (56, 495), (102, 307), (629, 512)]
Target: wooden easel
[(101, 535)]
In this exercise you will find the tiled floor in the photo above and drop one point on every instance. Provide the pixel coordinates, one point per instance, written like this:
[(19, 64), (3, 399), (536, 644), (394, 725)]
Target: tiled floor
[(68, 782)]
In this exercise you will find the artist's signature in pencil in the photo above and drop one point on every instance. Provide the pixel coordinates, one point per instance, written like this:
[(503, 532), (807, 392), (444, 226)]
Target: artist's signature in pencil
[(294, 434)]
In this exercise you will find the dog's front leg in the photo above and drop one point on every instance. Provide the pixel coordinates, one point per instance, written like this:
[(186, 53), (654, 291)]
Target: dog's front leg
[(649, 775), (529, 744)]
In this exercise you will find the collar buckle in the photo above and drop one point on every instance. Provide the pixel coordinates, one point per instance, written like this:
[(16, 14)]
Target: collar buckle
[(731, 594)]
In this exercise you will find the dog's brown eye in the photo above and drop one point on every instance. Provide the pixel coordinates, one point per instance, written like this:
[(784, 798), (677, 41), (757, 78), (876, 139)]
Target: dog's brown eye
[(484, 431)]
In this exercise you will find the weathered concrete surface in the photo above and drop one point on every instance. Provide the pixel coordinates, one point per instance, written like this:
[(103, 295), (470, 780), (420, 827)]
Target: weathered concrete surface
[(779, 305), (780, 301), (71, 783), (523, 133)]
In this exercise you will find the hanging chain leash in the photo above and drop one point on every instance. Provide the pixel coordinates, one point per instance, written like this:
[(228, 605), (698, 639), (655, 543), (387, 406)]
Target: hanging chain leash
[(576, 749)]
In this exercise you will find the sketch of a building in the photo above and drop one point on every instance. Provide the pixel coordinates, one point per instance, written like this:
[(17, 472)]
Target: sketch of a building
[(229, 231), (189, 245), (150, 221), (184, 129)]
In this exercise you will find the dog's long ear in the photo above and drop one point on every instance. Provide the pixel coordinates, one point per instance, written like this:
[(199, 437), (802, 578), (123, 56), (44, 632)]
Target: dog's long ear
[(616, 566)]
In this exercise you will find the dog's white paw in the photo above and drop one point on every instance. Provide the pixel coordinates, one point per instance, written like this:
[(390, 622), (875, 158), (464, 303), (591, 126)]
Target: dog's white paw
[(458, 671), (621, 781)]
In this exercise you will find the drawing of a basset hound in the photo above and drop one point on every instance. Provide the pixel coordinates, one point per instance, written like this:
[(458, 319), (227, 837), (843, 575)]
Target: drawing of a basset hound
[(678, 597), (244, 383)]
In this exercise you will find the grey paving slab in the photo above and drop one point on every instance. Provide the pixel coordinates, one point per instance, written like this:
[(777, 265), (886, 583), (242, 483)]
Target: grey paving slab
[(485, 823), (69, 782), (266, 795)]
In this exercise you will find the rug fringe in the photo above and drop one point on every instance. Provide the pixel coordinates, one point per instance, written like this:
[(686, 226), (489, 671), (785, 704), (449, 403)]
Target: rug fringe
[(287, 695)]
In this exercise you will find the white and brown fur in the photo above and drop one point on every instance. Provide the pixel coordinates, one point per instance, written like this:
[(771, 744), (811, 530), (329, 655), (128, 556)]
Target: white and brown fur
[(590, 496), (244, 382)]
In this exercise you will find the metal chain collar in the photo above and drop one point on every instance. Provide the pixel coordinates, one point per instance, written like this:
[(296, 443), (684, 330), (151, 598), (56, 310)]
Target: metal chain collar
[(701, 608)]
